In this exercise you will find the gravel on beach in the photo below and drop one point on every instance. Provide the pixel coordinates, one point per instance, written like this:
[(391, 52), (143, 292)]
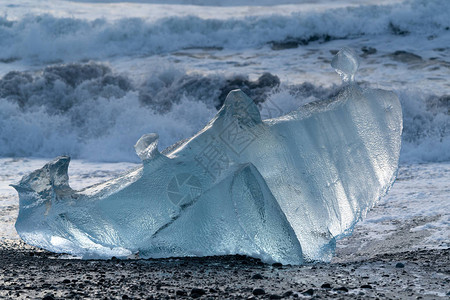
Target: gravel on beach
[(31, 273)]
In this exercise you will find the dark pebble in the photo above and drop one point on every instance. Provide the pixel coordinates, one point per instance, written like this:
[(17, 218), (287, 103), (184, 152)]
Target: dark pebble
[(342, 289), (273, 296), (287, 294), (326, 286), (66, 281), (308, 292), (196, 292), (399, 265), (277, 265), (366, 286), (181, 293), (257, 276), (125, 297), (258, 292), (48, 297)]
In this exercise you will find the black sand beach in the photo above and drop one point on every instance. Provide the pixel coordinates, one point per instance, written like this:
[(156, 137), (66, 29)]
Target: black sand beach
[(30, 273)]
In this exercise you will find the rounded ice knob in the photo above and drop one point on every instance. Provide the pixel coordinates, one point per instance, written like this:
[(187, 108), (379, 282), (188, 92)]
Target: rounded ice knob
[(147, 146), (346, 63)]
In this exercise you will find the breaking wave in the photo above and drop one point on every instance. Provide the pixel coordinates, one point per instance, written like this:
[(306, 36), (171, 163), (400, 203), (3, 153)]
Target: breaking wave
[(88, 111), (47, 38)]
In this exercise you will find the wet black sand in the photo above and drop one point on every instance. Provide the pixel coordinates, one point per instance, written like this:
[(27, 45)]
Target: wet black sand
[(30, 273)]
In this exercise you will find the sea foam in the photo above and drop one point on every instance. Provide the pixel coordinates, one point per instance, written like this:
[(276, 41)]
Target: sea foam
[(47, 38), (88, 111)]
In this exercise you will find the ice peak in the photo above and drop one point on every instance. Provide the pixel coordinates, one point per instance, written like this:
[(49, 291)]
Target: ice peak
[(239, 106), (50, 179), (147, 146), (346, 63)]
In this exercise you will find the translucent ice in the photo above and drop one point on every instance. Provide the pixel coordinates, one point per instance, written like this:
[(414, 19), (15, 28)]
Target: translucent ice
[(281, 189), (346, 63)]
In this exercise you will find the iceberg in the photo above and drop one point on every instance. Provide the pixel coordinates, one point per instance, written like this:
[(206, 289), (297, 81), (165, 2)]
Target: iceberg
[(283, 189)]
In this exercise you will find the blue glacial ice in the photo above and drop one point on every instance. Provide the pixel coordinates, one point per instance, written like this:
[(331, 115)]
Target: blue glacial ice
[(281, 189)]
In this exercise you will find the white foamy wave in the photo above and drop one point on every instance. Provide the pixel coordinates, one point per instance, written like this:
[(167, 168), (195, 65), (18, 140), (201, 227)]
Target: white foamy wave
[(47, 38), (88, 111), (111, 128), (426, 127)]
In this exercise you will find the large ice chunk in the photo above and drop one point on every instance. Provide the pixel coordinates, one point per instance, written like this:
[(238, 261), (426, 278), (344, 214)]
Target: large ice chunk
[(282, 189)]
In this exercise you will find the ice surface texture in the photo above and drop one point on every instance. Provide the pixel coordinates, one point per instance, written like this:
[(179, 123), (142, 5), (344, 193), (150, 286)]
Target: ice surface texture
[(281, 189)]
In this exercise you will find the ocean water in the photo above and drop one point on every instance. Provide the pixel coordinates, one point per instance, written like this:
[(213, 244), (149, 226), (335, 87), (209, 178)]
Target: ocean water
[(88, 78)]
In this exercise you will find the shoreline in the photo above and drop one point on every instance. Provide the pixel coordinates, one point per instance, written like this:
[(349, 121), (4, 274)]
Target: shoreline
[(28, 272)]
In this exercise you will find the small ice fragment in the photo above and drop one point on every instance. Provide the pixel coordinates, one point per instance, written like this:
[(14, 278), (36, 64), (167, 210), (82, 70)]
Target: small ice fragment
[(147, 146), (346, 63)]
